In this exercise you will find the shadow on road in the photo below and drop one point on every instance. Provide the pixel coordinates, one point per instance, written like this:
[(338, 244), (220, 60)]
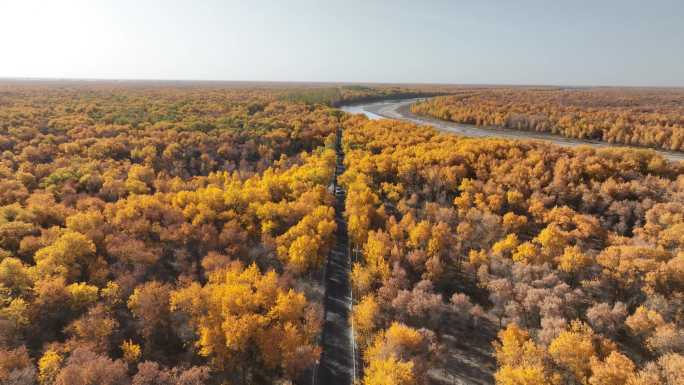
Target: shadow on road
[(337, 365)]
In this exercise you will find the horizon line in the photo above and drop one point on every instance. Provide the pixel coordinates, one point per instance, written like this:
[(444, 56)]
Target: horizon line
[(318, 82)]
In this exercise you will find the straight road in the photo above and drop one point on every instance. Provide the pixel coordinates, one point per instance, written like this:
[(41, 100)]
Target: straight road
[(338, 362)]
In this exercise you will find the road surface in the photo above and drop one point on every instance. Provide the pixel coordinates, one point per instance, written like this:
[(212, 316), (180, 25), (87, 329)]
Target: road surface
[(400, 109), (339, 359)]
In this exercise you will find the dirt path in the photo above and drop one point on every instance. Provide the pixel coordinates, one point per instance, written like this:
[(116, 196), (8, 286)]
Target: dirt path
[(400, 109), (338, 365)]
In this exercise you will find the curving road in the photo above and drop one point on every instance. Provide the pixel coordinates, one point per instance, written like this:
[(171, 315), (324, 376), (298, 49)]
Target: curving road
[(400, 109)]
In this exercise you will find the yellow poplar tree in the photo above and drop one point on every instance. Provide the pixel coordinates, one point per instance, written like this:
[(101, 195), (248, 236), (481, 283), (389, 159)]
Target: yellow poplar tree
[(245, 319)]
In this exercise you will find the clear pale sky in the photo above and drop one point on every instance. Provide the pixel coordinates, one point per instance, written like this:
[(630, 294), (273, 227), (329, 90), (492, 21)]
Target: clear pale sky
[(608, 42)]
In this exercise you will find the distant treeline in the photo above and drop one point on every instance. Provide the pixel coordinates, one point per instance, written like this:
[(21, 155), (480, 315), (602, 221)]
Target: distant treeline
[(336, 96)]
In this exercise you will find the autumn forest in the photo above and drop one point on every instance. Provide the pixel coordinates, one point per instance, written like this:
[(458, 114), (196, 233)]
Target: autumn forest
[(640, 117), (159, 233)]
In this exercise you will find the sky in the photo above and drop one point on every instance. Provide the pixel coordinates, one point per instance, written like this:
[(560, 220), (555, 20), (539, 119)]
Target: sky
[(609, 42)]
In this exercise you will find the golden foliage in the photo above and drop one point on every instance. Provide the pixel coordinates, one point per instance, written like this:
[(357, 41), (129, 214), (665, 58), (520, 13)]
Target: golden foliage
[(242, 314), (131, 351)]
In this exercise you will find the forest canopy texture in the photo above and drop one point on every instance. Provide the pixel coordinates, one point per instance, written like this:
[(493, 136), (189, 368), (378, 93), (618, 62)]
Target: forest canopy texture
[(638, 117), (177, 234)]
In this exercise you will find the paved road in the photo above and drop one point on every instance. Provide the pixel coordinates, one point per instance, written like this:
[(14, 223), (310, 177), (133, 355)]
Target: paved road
[(400, 109), (338, 364)]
